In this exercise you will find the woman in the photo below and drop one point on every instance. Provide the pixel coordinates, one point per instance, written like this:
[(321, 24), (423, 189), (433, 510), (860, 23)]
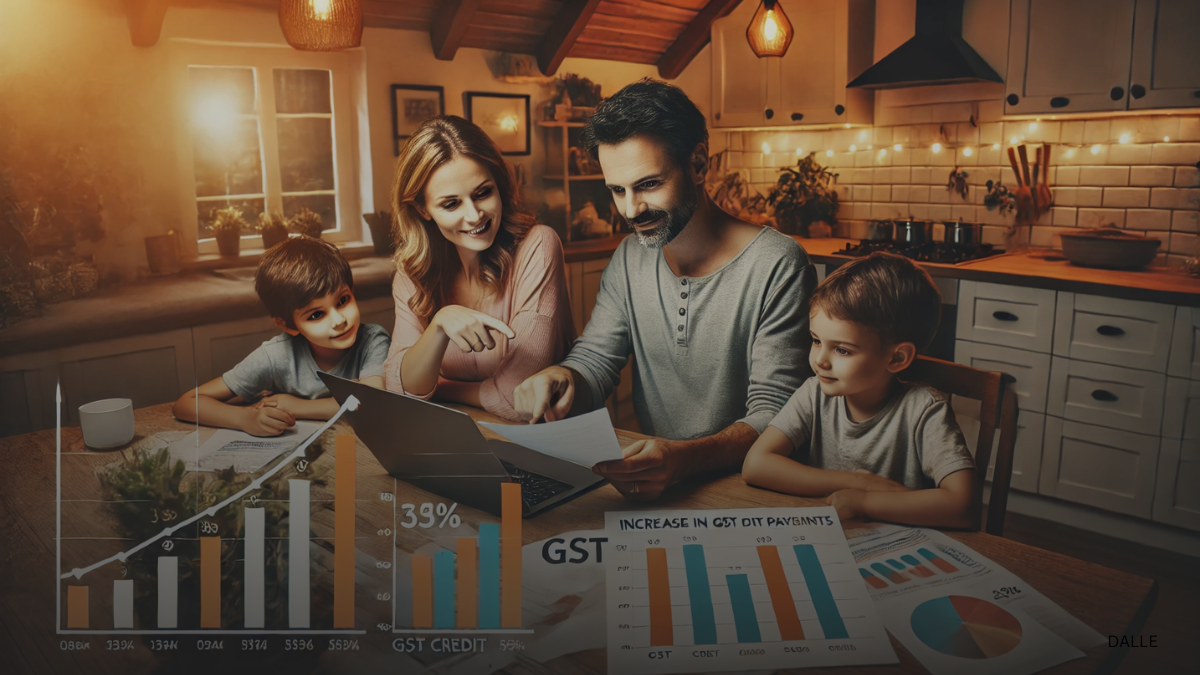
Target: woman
[(481, 294)]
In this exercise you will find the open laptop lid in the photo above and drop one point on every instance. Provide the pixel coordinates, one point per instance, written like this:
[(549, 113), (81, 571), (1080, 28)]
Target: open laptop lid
[(433, 447)]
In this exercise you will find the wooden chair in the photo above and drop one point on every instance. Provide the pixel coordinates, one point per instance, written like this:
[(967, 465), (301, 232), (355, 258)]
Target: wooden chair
[(997, 410)]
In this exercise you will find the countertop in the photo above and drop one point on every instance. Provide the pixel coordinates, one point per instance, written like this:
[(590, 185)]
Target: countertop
[(198, 298)]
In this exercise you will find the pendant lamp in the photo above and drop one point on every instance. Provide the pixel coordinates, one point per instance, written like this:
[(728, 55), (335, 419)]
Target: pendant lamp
[(321, 25), (769, 33)]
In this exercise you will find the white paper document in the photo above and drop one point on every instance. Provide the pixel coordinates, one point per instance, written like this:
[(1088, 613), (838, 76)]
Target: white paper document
[(583, 440), (245, 453)]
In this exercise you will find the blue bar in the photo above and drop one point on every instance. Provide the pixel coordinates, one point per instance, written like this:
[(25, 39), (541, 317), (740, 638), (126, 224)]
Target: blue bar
[(704, 623), (896, 564), (443, 589), (822, 597), (489, 575), (743, 608)]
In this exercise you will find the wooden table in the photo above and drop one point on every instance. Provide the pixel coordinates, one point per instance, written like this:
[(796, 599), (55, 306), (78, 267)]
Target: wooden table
[(1112, 602)]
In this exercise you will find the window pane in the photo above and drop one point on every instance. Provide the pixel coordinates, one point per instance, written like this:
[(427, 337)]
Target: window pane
[(302, 91), (228, 159), (225, 90), (250, 209), (305, 153), (323, 205)]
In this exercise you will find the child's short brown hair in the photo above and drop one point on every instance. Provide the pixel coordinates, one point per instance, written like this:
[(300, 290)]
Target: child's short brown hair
[(885, 292), (297, 270)]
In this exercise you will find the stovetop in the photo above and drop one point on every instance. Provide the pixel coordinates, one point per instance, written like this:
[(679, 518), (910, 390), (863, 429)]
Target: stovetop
[(934, 252)]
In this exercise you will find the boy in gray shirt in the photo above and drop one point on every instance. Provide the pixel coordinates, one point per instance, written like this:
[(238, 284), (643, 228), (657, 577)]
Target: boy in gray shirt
[(308, 288), (878, 447)]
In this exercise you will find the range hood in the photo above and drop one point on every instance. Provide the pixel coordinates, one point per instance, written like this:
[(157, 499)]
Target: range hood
[(937, 54)]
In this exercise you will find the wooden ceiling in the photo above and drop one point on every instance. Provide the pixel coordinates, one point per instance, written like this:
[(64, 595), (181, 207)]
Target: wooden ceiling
[(666, 33)]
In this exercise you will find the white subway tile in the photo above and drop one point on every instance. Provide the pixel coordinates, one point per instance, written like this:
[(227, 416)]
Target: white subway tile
[(1129, 153), (1101, 217), (944, 158), (752, 160), (964, 211), (951, 112), (1176, 153), (921, 175), (1187, 177), (991, 132), (966, 134), (991, 157), (919, 193), (899, 174), (991, 111), (1185, 221), (993, 235), (1152, 129), (886, 211), (1067, 175), (992, 217), (1063, 216), (1096, 131), (1089, 196), (919, 156), (1072, 132), (1107, 176), (963, 160), (939, 212), (760, 175), (863, 158), (1126, 197), (881, 193), (921, 114), (1189, 129), (735, 140), (1151, 176), (1166, 198), (1148, 219), (1183, 243), (919, 211), (1042, 132), (980, 175), (883, 136)]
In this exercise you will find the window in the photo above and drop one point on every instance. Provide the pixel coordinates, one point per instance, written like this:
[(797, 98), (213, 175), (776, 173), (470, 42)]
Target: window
[(267, 134)]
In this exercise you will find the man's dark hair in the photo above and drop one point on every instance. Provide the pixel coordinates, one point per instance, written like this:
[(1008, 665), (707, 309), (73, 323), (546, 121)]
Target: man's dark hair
[(291, 274), (649, 107), (888, 293)]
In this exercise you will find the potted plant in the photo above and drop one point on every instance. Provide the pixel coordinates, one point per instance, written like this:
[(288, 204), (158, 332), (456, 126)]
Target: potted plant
[(227, 226), (381, 231), (576, 96), (273, 228), (306, 222), (804, 197)]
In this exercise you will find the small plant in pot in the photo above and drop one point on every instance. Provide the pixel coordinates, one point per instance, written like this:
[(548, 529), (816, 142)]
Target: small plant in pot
[(804, 199), (273, 227), (227, 226), (306, 222)]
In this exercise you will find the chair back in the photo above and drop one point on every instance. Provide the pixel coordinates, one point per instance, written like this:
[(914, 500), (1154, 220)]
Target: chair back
[(997, 410)]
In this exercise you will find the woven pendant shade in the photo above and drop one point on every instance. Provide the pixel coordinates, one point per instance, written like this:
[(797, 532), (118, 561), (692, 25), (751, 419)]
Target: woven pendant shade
[(321, 25), (769, 33)]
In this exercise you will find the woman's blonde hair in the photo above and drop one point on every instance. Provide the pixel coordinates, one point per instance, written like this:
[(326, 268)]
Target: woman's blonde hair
[(423, 254)]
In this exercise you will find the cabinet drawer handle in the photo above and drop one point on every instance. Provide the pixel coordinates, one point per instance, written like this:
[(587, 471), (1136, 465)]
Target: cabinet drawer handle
[(769, 113), (1116, 94), (796, 117), (1103, 395), (1013, 99), (1004, 316), (1110, 331), (1137, 91), (1060, 102)]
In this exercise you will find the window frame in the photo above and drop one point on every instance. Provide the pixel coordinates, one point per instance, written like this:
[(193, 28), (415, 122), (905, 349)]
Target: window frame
[(265, 59)]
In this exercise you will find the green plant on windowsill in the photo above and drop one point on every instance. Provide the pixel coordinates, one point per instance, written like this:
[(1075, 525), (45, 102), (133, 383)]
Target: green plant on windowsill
[(306, 222), (804, 196), (273, 228), (227, 226)]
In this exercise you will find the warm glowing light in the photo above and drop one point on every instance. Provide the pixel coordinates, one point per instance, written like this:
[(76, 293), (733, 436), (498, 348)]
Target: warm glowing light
[(862, 135), (770, 26), (1166, 139), (1033, 126), (799, 151), (1071, 152), (1096, 149), (1014, 141), (320, 9), (967, 152), (216, 114), (769, 32), (898, 147), (766, 148), (883, 152), (509, 123), (995, 146), (870, 147), (847, 125), (937, 147), (829, 153), (1124, 138), (853, 148)]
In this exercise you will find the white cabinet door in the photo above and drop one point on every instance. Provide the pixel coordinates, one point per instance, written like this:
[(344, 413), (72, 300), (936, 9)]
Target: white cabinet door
[(1166, 59), (1105, 468), (1069, 56), (1185, 345), (740, 78), (833, 45), (1106, 396), (27, 384), (1031, 370), (1011, 316), (1177, 492), (1109, 330), (1027, 453)]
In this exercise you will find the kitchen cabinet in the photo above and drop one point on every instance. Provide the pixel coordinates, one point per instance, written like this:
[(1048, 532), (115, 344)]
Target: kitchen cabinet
[(833, 43), (1071, 56), (1106, 468), (570, 169), (1012, 316), (1106, 396), (1185, 345), (1027, 453), (1110, 330), (1177, 491)]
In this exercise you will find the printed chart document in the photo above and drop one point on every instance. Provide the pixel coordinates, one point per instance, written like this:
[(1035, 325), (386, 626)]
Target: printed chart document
[(736, 589), (583, 440), (245, 453), (957, 611)]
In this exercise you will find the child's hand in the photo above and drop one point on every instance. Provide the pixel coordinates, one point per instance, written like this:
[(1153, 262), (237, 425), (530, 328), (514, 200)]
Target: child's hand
[(847, 502), (285, 402), (265, 419), (871, 482)]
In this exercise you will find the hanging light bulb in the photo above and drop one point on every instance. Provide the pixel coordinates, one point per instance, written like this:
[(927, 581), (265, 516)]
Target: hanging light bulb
[(321, 25), (770, 32)]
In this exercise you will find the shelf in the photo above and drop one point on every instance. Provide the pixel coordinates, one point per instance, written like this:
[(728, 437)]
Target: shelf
[(597, 176)]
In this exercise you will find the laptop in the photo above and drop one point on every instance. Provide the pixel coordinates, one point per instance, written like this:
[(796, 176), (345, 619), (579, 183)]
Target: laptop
[(442, 451)]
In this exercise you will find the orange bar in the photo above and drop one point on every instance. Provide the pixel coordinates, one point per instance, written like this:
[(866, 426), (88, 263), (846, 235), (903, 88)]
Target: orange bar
[(468, 583), (422, 578), (210, 582), (510, 555), (661, 631), (781, 595), (77, 606), (343, 532)]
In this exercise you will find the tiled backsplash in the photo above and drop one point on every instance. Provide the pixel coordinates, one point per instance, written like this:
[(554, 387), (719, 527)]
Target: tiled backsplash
[(1137, 172)]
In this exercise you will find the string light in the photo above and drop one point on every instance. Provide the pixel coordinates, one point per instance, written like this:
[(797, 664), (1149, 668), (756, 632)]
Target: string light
[(1071, 152), (766, 148), (799, 151), (967, 151), (847, 125), (1124, 138), (870, 147), (1014, 141), (898, 147), (829, 153), (1096, 149), (1033, 126), (883, 152), (995, 146), (936, 147), (1166, 139), (853, 147)]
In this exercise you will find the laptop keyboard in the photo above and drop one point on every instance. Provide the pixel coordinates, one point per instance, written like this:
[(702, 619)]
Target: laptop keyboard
[(535, 488)]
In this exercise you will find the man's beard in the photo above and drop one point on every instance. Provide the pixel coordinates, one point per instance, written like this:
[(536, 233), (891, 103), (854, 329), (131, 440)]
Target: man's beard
[(673, 220)]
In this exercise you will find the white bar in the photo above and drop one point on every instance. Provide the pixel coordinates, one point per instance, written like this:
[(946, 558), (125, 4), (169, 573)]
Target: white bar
[(168, 592), (255, 568), (123, 603), (299, 558)]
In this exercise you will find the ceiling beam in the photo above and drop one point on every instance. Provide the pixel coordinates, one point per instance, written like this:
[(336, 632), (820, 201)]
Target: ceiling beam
[(693, 38), (450, 26), (146, 20), (562, 34)]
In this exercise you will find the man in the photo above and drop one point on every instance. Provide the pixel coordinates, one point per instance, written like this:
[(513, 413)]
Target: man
[(713, 309)]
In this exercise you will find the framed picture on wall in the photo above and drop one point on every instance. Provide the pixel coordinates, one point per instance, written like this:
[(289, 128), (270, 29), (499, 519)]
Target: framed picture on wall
[(505, 117), (412, 104)]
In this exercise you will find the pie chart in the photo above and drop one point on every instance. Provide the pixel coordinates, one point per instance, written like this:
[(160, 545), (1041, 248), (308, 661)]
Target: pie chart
[(966, 627)]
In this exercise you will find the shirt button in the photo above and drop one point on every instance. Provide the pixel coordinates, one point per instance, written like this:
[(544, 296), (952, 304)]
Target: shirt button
[(683, 282), (680, 328), (682, 311), (683, 295)]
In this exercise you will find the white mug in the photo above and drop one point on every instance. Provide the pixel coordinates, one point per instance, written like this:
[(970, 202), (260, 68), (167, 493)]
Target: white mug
[(107, 423)]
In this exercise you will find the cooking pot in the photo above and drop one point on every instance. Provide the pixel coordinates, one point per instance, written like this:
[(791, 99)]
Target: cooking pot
[(911, 232), (1109, 248), (879, 230), (963, 235)]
